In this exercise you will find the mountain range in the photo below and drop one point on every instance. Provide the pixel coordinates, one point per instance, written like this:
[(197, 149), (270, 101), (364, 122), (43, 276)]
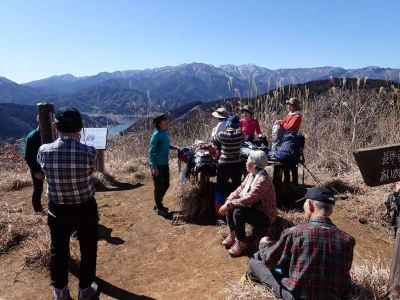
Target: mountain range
[(167, 88)]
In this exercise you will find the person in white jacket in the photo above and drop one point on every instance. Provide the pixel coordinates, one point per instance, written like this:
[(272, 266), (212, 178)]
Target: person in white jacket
[(222, 115)]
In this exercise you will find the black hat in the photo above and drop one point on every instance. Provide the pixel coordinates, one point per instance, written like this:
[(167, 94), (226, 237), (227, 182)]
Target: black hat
[(157, 119), (247, 108), (321, 194), (69, 120)]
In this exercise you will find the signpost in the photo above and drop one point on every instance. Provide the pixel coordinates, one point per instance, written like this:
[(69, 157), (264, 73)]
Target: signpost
[(379, 166), (97, 138), (45, 113)]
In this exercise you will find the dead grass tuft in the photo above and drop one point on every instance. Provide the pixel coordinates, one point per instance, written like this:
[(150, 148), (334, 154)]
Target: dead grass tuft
[(194, 206), (371, 280), (28, 231), (248, 291)]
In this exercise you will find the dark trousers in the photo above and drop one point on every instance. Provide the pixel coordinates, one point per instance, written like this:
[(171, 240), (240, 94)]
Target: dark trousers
[(259, 270), (238, 218), (161, 185), (84, 219), (37, 193), (228, 172)]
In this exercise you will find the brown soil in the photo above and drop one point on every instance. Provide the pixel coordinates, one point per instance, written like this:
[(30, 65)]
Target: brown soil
[(156, 259)]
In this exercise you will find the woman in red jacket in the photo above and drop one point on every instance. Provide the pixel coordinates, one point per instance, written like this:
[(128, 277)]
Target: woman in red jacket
[(292, 121)]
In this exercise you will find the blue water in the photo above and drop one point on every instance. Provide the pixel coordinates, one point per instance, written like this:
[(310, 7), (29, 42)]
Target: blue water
[(115, 130)]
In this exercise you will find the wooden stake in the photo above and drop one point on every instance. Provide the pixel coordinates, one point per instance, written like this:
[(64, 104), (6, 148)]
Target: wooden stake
[(100, 161), (394, 280), (45, 111)]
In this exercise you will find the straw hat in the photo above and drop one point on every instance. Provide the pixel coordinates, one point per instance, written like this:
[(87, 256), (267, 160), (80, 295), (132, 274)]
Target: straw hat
[(220, 113)]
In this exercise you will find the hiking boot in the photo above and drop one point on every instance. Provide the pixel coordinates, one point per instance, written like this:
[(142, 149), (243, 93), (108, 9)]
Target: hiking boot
[(61, 294), (229, 240), (238, 249), (89, 293)]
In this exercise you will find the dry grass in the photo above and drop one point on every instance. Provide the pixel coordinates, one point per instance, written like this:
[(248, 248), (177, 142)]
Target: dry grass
[(193, 205), (248, 291), (28, 231)]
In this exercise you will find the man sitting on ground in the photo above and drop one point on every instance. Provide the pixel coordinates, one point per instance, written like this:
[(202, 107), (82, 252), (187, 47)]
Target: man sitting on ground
[(310, 261)]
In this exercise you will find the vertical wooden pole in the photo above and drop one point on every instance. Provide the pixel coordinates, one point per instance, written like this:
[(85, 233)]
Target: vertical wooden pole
[(45, 111), (394, 280), (100, 161)]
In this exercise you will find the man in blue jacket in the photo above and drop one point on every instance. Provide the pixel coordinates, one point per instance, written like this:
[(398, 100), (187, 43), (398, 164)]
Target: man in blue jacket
[(160, 146)]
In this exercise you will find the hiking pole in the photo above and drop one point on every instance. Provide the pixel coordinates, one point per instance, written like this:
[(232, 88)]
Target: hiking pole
[(316, 179), (311, 174)]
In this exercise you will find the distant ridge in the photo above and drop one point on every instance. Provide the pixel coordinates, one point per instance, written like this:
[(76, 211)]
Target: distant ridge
[(167, 88)]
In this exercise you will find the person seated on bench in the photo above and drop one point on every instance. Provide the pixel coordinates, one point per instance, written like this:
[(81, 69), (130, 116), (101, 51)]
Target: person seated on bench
[(310, 261), (253, 202), (292, 122), (249, 125)]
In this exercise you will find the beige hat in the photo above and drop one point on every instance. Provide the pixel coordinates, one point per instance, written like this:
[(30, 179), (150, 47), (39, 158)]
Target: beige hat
[(220, 113), (293, 101), (259, 158)]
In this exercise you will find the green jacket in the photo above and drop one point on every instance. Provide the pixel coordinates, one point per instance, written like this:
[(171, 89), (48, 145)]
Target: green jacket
[(33, 142), (160, 146)]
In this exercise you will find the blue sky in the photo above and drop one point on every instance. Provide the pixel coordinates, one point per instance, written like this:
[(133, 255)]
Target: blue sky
[(47, 37)]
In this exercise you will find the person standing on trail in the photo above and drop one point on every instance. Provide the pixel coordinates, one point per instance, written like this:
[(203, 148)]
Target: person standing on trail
[(222, 115), (249, 126), (68, 166), (230, 165), (253, 202), (310, 261), (33, 142), (159, 149)]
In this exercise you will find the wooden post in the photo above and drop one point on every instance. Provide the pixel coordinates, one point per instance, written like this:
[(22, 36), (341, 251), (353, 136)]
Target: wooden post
[(100, 161), (394, 280), (45, 112)]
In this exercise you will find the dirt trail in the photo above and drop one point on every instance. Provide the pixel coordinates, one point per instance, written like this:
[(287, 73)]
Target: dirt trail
[(148, 258)]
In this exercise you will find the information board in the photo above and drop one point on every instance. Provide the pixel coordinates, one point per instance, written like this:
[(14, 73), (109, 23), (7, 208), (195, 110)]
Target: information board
[(95, 137), (379, 165)]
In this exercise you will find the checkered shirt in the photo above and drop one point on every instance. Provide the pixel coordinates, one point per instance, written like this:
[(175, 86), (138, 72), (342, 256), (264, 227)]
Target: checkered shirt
[(68, 166), (315, 259)]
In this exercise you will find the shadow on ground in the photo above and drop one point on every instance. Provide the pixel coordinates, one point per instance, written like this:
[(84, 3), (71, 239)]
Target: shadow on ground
[(108, 288), (104, 233)]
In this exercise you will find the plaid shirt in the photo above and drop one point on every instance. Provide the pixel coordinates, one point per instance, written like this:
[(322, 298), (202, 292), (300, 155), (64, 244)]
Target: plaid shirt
[(68, 166), (315, 259)]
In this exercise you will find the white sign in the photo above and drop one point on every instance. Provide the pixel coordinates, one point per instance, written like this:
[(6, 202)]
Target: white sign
[(95, 137)]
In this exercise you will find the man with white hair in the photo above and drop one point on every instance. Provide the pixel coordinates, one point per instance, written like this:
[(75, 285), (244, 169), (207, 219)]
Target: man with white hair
[(253, 202), (310, 261)]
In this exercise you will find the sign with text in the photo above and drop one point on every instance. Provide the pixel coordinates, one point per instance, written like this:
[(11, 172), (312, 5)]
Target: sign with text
[(379, 165), (95, 137)]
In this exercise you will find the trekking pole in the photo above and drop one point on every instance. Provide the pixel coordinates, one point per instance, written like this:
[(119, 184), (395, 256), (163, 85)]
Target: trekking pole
[(316, 179)]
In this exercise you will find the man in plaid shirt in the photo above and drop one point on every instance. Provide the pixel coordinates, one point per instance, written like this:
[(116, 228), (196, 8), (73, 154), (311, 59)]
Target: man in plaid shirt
[(68, 165), (310, 261)]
